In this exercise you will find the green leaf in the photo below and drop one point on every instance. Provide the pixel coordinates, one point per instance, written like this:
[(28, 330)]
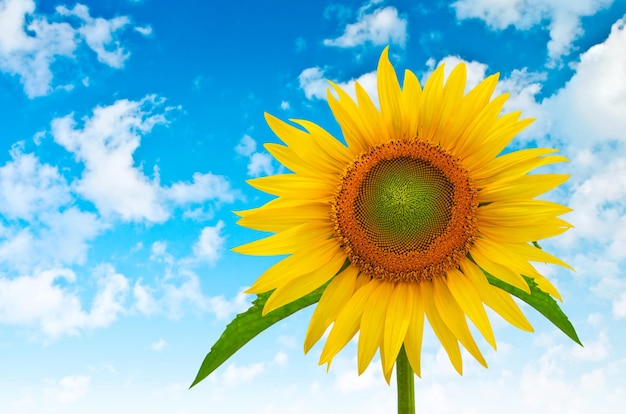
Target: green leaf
[(542, 302), (246, 326)]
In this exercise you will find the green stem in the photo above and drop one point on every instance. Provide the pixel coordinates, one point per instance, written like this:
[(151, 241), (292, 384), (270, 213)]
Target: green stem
[(406, 388)]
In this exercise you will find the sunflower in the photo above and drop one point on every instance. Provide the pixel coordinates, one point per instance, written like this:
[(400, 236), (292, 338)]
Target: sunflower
[(404, 220)]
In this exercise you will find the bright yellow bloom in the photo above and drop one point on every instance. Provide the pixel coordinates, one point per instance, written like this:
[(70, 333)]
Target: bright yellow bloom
[(415, 205)]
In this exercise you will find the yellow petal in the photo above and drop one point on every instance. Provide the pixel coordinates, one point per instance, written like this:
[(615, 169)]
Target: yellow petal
[(525, 187), (389, 96), (287, 157), (334, 149), (397, 322), (386, 370), (517, 213), (535, 254), (445, 335), (372, 325), (471, 107), (332, 301), (295, 186), (301, 144), (468, 299), (347, 322), (415, 331), (474, 137), (513, 165), (534, 232), (288, 241), (490, 261), (454, 318), (498, 300), (355, 131), (284, 214), (371, 116), (303, 285), (452, 99), (545, 285), (301, 262), (495, 139), (411, 93), (430, 98)]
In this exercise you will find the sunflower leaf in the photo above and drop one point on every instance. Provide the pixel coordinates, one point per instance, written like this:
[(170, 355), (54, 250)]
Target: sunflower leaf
[(542, 302), (246, 326)]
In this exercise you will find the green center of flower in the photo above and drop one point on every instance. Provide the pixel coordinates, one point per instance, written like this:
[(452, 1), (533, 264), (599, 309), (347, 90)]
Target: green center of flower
[(404, 204), (405, 211)]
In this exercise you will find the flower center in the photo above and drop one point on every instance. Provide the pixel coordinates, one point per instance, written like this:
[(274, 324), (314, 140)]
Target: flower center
[(405, 211)]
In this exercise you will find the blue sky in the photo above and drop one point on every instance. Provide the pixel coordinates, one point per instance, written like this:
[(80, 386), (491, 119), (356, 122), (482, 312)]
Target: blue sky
[(130, 127)]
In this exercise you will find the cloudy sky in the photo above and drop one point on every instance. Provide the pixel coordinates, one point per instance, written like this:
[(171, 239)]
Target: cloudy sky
[(130, 127)]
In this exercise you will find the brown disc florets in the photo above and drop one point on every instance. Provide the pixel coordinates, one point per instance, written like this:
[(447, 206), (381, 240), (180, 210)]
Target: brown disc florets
[(405, 211)]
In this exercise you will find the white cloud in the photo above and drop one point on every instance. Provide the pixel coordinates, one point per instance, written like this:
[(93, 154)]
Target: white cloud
[(314, 85), (246, 146), (53, 304), (144, 30), (595, 97), (281, 359), (259, 163), (158, 253), (204, 187), (210, 244), (30, 44), (224, 309), (159, 345), (619, 306), (375, 25), (236, 375), (599, 204), (181, 291), (40, 216), (143, 298), (284, 105), (564, 18), (110, 299), (99, 33), (68, 389), (347, 381), (105, 144), (598, 350), (29, 188)]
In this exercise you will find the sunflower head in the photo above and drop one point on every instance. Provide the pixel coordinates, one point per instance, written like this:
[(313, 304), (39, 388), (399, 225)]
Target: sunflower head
[(417, 215)]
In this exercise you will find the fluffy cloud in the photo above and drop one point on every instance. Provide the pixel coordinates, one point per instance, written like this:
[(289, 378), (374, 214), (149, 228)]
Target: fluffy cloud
[(68, 389), (314, 84), (105, 143), (29, 43), (40, 216), (98, 34), (159, 345), (179, 289), (203, 187), (259, 163), (54, 306), (591, 107), (29, 188), (210, 244), (564, 18), (375, 25)]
